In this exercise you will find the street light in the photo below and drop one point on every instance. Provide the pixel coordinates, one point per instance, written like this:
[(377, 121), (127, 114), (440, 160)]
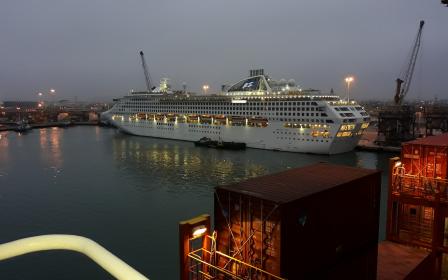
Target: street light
[(349, 80), (18, 111), (205, 88)]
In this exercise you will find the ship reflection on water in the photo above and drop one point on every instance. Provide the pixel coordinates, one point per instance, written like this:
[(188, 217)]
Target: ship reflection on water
[(178, 163)]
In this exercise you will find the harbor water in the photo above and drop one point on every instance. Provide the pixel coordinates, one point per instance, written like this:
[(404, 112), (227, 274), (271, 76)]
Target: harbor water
[(125, 192)]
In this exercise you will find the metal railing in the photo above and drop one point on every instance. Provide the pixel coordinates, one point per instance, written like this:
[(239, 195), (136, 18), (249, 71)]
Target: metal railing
[(111, 263), (419, 186), (234, 269)]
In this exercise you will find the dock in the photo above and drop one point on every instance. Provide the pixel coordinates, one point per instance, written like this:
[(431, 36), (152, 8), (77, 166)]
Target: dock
[(367, 143), (11, 127)]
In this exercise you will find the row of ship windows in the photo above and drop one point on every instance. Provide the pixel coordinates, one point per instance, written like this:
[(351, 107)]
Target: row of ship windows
[(204, 126), (233, 108), (142, 125), (315, 133), (301, 139), (302, 114), (307, 120), (346, 114), (250, 113), (304, 120), (202, 131), (222, 103), (322, 121), (357, 108)]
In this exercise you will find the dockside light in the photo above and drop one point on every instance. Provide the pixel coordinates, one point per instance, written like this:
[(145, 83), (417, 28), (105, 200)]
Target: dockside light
[(199, 231)]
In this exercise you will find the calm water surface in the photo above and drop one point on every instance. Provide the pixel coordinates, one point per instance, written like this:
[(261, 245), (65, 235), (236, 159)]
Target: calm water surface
[(127, 193)]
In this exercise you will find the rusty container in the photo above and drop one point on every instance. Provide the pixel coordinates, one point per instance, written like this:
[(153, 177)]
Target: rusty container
[(397, 261), (315, 222), (427, 157)]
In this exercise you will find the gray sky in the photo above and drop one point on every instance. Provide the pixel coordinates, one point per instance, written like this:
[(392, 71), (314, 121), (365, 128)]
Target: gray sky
[(89, 48)]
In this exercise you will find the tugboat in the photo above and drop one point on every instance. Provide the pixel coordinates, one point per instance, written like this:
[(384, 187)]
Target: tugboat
[(209, 143), (22, 127)]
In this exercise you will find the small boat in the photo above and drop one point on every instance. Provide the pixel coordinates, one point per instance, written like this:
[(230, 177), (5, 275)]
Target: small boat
[(22, 127), (209, 143), (65, 124)]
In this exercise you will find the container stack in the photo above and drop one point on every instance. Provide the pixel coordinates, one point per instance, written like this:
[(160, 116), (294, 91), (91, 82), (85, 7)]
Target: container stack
[(418, 194), (417, 212), (314, 222)]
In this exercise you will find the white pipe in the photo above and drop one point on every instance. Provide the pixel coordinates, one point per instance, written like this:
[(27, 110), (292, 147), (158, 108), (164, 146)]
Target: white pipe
[(111, 263)]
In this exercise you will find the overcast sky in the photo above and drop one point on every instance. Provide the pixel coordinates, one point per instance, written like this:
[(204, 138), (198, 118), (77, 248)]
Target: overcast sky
[(89, 48)]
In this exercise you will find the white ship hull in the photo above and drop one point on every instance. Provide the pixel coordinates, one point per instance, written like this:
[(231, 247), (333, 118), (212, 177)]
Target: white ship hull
[(273, 137)]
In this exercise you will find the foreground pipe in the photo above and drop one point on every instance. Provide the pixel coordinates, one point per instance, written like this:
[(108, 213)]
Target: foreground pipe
[(112, 264)]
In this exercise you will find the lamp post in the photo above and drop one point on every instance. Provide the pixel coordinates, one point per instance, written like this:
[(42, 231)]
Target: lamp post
[(349, 80), (52, 93), (18, 111), (205, 88)]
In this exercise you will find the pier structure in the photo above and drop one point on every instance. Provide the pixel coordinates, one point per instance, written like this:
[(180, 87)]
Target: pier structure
[(395, 125), (436, 119)]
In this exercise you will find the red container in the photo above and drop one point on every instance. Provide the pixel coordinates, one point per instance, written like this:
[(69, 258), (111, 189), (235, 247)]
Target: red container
[(313, 222), (396, 261), (426, 157)]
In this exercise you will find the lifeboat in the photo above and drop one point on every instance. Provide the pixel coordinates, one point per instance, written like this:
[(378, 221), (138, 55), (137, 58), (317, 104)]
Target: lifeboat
[(257, 122), (171, 117), (141, 116), (192, 118), (206, 119), (220, 120), (237, 120)]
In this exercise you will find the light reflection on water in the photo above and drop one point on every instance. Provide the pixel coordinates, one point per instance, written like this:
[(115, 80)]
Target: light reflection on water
[(50, 146), (4, 151), (180, 166), (168, 165), (126, 192)]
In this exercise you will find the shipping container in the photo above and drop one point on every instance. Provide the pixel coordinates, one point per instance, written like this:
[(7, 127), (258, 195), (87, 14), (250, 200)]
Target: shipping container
[(418, 194), (426, 157), (396, 262), (314, 222)]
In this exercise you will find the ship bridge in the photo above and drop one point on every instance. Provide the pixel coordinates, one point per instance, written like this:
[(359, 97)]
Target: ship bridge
[(263, 85)]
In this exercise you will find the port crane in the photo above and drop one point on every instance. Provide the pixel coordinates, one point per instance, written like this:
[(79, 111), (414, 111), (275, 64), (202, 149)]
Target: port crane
[(146, 72), (404, 84)]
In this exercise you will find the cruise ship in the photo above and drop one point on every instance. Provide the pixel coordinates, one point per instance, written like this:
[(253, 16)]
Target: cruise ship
[(258, 111)]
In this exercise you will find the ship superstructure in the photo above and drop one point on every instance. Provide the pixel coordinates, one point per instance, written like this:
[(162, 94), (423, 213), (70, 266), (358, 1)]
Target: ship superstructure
[(257, 111)]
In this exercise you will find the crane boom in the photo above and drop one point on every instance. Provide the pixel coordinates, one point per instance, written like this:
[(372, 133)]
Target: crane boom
[(404, 84), (145, 71)]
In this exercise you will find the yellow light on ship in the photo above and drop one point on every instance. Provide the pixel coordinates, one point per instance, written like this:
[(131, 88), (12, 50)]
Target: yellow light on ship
[(198, 231), (397, 164)]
